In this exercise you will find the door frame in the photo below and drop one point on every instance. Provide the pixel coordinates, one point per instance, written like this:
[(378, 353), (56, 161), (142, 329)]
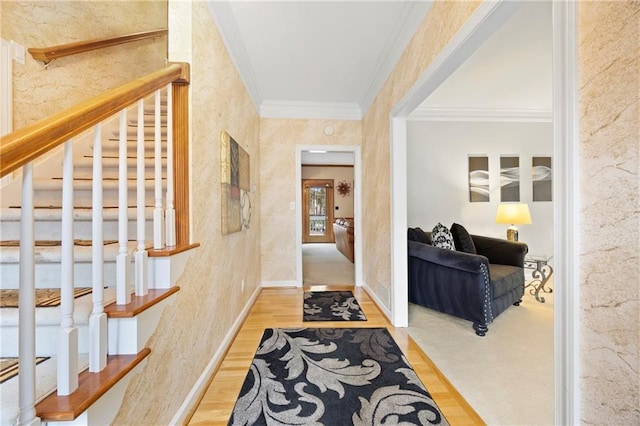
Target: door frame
[(487, 18), (357, 205), (327, 183)]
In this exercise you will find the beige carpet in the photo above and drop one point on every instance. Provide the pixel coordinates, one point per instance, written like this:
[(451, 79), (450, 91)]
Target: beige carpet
[(323, 264), (506, 376)]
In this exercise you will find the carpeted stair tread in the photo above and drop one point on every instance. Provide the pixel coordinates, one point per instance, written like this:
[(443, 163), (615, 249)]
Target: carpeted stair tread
[(51, 315), (45, 385), (45, 297), (52, 254), (40, 243)]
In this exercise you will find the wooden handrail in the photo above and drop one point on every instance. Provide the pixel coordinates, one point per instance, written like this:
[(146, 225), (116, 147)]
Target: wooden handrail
[(27, 144), (47, 54)]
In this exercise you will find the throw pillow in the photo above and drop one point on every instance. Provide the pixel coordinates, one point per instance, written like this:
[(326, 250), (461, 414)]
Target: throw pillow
[(462, 239), (441, 237), (417, 234)]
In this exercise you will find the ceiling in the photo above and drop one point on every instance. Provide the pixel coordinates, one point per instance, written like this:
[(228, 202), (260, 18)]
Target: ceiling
[(316, 59), (328, 59)]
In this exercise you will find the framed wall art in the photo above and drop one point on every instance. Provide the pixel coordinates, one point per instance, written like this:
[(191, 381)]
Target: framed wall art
[(509, 178), (236, 183), (478, 178), (542, 178)]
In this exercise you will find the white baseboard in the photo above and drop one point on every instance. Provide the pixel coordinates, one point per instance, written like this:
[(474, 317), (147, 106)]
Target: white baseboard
[(280, 284), (199, 387), (385, 311)]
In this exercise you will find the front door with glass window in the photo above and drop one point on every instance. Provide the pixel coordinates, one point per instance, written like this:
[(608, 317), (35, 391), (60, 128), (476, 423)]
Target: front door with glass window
[(317, 211)]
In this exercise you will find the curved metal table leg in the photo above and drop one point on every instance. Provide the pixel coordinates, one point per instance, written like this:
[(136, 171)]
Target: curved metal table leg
[(540, 276)]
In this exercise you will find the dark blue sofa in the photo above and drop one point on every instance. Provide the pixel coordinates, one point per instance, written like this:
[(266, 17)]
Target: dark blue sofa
[(476, 287)]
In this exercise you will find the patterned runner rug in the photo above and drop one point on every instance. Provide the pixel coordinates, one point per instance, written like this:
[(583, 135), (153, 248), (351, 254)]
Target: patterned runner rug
[(9, 367), (331, 306), (332, 376), (45, 297)]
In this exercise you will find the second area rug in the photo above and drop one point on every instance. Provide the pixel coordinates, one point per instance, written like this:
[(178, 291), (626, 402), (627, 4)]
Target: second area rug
[(331, 306), (332, 376)]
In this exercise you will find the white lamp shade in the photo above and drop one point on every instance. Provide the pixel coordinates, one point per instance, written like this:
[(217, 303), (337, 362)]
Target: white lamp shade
[(513, 214)]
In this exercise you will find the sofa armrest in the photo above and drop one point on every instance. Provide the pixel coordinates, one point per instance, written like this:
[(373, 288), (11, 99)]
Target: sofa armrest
[(449, 258), (499, 251)]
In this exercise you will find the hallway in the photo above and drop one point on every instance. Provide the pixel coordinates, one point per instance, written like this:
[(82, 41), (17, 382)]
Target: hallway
[(323, 264), (282, 307)]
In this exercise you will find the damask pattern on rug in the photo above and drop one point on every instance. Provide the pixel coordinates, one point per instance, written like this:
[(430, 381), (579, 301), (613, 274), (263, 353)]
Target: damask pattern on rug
[(332, 376), (331, 306)]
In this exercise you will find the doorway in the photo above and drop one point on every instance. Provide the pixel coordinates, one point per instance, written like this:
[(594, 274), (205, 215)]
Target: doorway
[(332, 157), (485, 20), (317, 211)]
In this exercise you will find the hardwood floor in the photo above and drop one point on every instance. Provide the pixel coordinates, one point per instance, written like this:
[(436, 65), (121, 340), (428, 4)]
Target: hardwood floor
[(282, 307)]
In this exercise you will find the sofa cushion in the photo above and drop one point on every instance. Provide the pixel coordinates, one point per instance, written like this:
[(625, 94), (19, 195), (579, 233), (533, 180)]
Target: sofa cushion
[(417, 234), (505, 278), (441, 237), (462, 239)]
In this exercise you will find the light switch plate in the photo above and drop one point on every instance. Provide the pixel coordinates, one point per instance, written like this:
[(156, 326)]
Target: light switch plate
[(292, 205), (18, 52)]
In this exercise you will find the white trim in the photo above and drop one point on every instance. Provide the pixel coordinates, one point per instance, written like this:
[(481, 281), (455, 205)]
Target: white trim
[(566, 207), (372, 294), (357, 205), (232, 39), (203, 381), (478, 28), (6, 87), (488, 17), (492, 114), (266, 284), (566, 213), (399, 293), (310, 110), (406, 26)]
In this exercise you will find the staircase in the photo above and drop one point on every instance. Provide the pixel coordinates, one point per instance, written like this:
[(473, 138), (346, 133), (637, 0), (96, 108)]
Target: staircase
[(128, 325)]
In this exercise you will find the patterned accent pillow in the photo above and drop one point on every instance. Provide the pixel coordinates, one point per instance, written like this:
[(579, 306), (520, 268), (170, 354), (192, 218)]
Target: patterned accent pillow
[(441, 237), (462, 239)]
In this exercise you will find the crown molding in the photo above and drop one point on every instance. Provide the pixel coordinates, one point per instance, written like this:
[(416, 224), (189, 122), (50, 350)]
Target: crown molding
[(311, 110), (405, 28), (228, 30), (495, 114)]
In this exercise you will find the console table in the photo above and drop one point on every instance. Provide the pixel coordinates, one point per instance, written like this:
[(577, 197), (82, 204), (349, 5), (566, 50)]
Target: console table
[(541, 274)]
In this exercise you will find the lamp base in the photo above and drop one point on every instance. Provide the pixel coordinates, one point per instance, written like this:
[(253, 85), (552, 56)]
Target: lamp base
[(512, 233)]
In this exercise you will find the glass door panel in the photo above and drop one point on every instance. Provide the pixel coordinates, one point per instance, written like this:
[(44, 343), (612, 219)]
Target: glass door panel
[(317, 211)]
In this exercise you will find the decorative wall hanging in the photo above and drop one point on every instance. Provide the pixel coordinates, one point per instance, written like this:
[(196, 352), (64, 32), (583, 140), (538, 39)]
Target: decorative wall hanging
[(478, 179), (542, 178), (234, 177), (509, 178), (344, 188)]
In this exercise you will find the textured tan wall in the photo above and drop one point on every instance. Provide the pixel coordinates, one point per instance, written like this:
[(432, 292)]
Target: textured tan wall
[(609, 50), (210, 298), (278, 140), (40, 92), (440, 24)]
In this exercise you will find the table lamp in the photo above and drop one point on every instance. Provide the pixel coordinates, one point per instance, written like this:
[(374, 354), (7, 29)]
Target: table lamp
[(513, 214)]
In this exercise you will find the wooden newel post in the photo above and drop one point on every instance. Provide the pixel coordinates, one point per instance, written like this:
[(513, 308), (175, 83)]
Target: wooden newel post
[(181, 154)]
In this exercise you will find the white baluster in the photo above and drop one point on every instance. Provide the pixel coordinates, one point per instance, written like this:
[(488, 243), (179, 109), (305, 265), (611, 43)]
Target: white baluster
[(98, 319), (141, 253), (158, 213), (68, 335), (170, 219), (123, 260), (27, 308)]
